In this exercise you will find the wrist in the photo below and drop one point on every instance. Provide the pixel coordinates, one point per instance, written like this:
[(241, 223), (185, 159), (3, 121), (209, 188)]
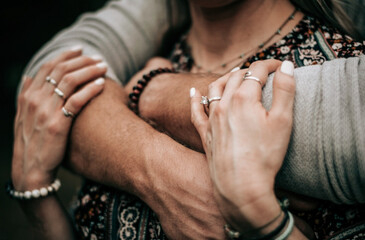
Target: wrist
[(32, 180)]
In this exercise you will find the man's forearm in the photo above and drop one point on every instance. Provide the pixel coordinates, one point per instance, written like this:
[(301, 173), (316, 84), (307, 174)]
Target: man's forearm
[(111, 145), (166, 102)]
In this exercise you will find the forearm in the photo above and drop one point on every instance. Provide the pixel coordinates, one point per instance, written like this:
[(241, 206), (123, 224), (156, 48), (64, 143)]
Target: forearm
[(111, 145), (166, 102)]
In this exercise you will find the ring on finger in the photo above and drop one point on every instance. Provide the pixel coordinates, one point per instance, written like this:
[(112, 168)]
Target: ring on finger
[(59, 93), (204, 101), (210, 100), (67, 113), (248, 76), (51, 81)]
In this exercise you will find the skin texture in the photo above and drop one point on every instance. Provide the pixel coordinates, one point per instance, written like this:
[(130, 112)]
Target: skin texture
[(111, 145), (245, 144), (41, 132)]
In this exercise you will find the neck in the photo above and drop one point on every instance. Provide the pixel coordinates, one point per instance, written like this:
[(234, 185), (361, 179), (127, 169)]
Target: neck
[(219, 34)]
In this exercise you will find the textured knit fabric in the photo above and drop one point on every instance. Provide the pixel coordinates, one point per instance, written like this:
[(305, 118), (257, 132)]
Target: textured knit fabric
[(310, 42)]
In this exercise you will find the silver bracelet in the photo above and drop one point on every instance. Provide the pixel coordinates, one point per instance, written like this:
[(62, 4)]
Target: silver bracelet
[(288, 230), (35, 193)]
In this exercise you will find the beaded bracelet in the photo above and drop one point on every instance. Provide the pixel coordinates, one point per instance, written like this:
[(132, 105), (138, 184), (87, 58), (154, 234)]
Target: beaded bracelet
[(141, 84), (35, 193), (232, 234)]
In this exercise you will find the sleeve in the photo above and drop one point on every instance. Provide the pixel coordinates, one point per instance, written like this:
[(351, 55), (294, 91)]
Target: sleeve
[(326, 154), (125, 33)]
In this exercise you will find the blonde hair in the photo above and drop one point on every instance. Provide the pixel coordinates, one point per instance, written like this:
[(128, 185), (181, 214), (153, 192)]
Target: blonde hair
[(332, 12)]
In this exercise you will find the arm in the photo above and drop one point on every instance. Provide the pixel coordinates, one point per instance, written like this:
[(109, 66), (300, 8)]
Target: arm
[(245, 146), (324, 94), (41, 130), (110, 144)]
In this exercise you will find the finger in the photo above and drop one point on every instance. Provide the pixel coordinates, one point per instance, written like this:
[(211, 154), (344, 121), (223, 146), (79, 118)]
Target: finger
[(198, 116), (26, 82), (216, 89), (46, 68), (283, 89), (73, 80), (233, 83), (79, 99), (261, 69), (71, 65)]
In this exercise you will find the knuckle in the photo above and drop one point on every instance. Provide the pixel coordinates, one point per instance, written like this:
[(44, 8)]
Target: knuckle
[(256, 64), (42, 116), (54, 128), (33, 104), (61, 67), (48, 66), (240, 96), (75, 103), (287, 86), (69, 79)]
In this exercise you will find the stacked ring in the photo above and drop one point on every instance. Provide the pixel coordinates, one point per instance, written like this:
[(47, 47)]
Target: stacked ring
[(51, 81), (59, 93), (248, 76), (67, 113)]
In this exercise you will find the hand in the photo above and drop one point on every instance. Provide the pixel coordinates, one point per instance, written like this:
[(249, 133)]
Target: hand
[(246, 144), (41, 128), (186, 206)]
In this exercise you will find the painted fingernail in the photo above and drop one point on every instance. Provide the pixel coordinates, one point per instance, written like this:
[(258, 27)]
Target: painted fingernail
[(96, 57), (76, 48), (101, 65), (192, 92), (99, 81), (235, 69), (287, 67)]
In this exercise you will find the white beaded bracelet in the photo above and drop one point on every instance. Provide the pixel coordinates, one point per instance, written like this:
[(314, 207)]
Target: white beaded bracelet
[(35, 193)]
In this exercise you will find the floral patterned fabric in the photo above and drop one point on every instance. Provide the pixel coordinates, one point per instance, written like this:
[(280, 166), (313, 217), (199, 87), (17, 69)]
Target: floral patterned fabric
[(105, 213)]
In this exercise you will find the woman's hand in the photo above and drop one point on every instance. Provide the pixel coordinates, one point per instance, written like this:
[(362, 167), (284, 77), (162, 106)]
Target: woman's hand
[(41, 126), (245, 144)]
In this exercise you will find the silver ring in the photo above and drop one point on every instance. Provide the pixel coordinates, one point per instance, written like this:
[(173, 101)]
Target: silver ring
[(214, 99), (67, 113), (205, 100), (59, 93), (248, 76), (51, 81)]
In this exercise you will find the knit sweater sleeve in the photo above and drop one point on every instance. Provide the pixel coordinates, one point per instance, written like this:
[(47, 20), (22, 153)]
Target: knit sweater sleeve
[(125, 33), (326, 154)]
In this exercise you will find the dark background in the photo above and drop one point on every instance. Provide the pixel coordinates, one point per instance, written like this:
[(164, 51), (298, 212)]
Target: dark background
[(25, 26)]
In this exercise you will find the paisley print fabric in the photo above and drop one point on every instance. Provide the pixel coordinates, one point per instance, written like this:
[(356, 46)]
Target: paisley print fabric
[(105, 213)]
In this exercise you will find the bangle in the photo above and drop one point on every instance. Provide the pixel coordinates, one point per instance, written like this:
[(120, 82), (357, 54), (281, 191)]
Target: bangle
[(288, 230), (33, 194), (141, 84), (233, 234)]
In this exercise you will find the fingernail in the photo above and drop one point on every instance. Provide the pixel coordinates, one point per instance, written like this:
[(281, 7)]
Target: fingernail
[(76, 48), (96, 57), (192, 92), (99, 81), (287, 67), (101, 65), (235, 69)]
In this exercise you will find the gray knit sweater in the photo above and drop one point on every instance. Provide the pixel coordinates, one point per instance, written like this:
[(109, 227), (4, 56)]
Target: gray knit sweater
[(326, 156)]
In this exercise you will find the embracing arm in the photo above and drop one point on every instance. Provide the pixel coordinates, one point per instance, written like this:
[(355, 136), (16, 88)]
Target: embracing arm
[(326, 154)]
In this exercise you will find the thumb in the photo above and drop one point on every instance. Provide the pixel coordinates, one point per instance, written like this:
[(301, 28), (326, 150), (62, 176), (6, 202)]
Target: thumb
[(283, 89)]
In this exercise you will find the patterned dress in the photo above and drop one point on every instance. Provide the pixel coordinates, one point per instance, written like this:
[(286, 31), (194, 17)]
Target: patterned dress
[(106, 213)]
